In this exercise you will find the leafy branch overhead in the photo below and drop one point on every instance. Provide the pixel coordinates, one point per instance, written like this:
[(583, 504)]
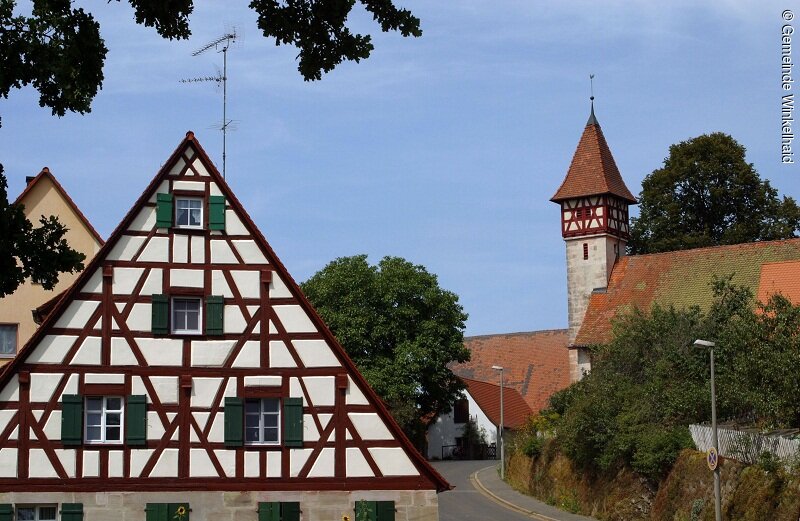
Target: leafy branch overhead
[(59, 50)]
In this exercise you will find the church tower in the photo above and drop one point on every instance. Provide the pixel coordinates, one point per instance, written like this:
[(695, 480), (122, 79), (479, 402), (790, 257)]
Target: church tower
[(594, 223)]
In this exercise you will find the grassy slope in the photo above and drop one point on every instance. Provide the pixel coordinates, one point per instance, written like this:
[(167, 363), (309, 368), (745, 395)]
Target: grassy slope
[(749, 493)]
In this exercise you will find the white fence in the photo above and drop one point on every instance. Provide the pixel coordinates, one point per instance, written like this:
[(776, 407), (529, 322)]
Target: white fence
[(748, 445)]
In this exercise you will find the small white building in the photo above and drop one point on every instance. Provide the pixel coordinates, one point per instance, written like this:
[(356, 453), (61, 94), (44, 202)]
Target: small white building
[(481, 402)]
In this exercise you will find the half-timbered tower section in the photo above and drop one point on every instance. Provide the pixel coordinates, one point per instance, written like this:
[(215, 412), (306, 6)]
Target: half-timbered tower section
[(184, 375), (594, 223)]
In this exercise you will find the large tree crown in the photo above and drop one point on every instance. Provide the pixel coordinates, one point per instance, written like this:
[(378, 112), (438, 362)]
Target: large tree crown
[(707, 194)]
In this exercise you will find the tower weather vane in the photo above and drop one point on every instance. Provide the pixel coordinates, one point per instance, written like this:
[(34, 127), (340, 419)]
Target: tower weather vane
[(225, 41), (591, 87)]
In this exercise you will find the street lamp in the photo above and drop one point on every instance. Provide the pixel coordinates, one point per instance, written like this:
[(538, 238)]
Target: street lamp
[(500, 430), (714, 441)]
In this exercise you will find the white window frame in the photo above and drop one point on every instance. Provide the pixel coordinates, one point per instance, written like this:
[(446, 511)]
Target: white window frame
[(103, 415), (261, 423), (13, 352), (173, 322), (36, 512), (178, 201)]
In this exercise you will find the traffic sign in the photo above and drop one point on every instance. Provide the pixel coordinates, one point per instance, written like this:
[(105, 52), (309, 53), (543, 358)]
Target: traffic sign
[(712, 458)]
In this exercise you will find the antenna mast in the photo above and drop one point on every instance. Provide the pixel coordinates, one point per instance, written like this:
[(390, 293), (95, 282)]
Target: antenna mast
[(225, 41)]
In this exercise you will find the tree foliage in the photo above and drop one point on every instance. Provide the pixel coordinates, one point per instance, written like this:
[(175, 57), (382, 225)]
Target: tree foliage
[(400, 328), (651, 382), (59, 51), (707, 194), (39, 252)]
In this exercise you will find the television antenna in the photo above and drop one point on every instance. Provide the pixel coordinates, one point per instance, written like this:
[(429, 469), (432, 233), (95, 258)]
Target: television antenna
[(221, 44)]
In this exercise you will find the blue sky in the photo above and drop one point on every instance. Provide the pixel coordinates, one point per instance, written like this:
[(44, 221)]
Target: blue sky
[(444, 149)]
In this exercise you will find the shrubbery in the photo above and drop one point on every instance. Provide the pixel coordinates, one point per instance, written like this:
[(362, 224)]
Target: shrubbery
[(651, 382)]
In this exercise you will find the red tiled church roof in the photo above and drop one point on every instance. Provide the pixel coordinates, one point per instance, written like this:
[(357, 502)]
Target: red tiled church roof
[(487, 396), (536, 363), (593, 170), (683, 279), (780, 277)]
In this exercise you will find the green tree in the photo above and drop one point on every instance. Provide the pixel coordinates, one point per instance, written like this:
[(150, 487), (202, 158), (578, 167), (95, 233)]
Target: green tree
[(27, 251), (59, 50), (400, 328), (707, 194)]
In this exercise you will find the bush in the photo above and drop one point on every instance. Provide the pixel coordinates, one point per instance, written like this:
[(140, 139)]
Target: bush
[(658, 448), (532, 446)]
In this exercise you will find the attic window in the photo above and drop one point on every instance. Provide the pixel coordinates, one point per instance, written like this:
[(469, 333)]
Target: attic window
[(188, 213), (585, 251)]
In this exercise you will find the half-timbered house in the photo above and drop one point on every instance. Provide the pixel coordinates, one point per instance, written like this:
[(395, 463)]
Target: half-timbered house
[(185, 376)]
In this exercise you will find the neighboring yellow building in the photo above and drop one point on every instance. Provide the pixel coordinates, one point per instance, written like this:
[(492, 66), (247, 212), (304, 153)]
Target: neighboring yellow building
[(43, 195)]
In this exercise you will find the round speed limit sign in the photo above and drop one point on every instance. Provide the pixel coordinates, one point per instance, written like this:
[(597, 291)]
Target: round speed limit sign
[(712, 458)]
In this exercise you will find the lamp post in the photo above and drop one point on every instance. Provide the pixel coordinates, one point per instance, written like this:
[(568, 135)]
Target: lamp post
[(714, 440), (500, 430)]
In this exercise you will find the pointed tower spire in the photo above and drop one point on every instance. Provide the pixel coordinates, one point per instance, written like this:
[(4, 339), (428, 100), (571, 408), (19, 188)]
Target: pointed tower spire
[(592, 120)]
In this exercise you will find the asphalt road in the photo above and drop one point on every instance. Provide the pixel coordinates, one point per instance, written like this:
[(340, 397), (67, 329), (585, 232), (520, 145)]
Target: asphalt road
[(464, 503)]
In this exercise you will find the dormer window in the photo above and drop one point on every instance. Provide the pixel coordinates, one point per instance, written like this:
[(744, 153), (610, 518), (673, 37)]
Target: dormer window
[(188, 212)]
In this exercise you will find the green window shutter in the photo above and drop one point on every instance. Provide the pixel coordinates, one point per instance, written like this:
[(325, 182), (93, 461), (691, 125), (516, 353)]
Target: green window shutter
[(164, 210), (234, 421), (160, 309), (6, 512), (72, 419), (290, 511), (173, 512), (71, 511), (136, 420), (293, 422), (157, 512), (384, 510), (269, 511), (366, 511), (215, 311), (216, 212)]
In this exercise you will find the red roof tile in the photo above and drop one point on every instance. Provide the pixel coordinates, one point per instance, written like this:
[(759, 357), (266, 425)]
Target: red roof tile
[(487, 396), (780, 277), (536, 363), (683, 279), (593, 170)]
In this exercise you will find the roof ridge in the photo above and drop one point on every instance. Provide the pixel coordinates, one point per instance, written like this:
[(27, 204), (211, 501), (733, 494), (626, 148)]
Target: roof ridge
[(751, 244), (518, 333)]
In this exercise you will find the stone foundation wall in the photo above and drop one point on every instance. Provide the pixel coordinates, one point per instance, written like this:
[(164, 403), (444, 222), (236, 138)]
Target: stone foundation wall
[(410, 505)]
